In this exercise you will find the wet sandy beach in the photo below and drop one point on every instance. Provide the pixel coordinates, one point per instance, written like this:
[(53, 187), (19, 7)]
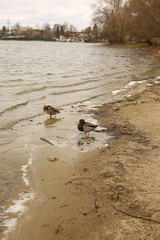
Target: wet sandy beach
[(101, 187), (106, 193), (49, 167)]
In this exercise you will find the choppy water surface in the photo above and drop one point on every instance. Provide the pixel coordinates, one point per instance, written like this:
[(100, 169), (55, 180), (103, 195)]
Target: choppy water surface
[(60, 74), (34, 73)]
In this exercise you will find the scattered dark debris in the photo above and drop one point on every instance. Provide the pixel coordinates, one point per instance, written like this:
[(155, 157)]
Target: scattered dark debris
[(85, 169), (52, 159), (54, 197), (64, 206), (57, 230), (45, 225), (129, 130)]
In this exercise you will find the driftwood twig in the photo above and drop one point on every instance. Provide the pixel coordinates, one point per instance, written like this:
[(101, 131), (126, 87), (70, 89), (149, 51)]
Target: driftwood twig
[(61, 137), (48, 141), (75, 179)]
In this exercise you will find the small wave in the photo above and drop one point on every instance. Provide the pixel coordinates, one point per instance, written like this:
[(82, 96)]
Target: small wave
[(81, 90), (11, 85), (31, 90), (12, 124), (66, 76), (16, 80), (4, 143), (87, 99), (49, 74), (13, 107), (36, 99), (73, 91), (59, 86), (79, 83)]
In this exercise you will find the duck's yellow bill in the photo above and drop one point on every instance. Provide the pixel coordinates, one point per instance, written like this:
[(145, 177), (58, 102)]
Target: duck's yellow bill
[(78, 123)]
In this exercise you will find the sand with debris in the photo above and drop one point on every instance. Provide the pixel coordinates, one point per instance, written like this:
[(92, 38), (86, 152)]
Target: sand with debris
[(114, 191)]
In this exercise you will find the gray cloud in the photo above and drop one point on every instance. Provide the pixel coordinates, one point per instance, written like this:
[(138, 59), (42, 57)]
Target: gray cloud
[(32, 12)]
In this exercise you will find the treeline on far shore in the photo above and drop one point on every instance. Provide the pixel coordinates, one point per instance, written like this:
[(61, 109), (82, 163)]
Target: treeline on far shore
[(64, 33), (114, 21)]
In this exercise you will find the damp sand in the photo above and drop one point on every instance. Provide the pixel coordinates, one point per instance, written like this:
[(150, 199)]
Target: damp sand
[(108, 192)]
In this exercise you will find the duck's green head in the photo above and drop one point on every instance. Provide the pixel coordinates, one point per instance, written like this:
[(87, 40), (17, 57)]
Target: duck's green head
[(81, 121)]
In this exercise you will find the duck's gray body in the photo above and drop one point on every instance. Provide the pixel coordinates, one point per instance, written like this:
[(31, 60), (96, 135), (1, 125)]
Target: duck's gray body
[(86, 127)]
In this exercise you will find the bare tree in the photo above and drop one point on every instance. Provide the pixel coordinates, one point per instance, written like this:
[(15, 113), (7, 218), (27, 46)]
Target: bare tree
[(118, 19), (144, 19), (16, 29), (95, 33), (72, 28), (109, 15), (47, 32), (65, 26), (4, 31), (56, 30), (88, 31)]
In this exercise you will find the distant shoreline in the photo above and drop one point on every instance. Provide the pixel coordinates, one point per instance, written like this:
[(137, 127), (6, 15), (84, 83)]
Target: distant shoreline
[(146, 48)]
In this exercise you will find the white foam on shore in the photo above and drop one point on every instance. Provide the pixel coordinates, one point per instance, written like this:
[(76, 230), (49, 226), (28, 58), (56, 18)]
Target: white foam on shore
[(19, 206), (10, 224), (57, 144), (129, 85), (133, 83), (16, 209), (24, 169), (157, 80), (116, 91), (87, 103)]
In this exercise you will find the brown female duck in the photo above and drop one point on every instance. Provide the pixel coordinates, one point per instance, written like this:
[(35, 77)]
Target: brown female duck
[(50, 110)]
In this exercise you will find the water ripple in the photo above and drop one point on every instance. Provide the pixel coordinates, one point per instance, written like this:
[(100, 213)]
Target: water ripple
[(14, 107)]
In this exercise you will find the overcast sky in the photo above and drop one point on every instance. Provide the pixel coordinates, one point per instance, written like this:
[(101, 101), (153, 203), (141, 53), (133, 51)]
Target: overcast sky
[(37, 12)]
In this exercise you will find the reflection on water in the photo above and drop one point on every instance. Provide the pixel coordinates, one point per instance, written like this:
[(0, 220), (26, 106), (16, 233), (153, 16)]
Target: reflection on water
[(51, 121)]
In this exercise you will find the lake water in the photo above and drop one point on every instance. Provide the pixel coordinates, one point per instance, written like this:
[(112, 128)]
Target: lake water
[(33, 74)]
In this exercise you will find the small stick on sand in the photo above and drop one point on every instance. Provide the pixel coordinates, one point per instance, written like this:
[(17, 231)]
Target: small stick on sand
[(45, 140), (75, 179)]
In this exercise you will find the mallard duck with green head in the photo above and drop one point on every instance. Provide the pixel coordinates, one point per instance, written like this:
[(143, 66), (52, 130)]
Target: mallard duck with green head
[(50, 110), (86, 127)]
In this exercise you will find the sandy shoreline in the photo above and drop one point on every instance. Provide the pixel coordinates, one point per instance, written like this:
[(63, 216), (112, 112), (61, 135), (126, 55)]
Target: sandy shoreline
[(113, 191), (107, 193)]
